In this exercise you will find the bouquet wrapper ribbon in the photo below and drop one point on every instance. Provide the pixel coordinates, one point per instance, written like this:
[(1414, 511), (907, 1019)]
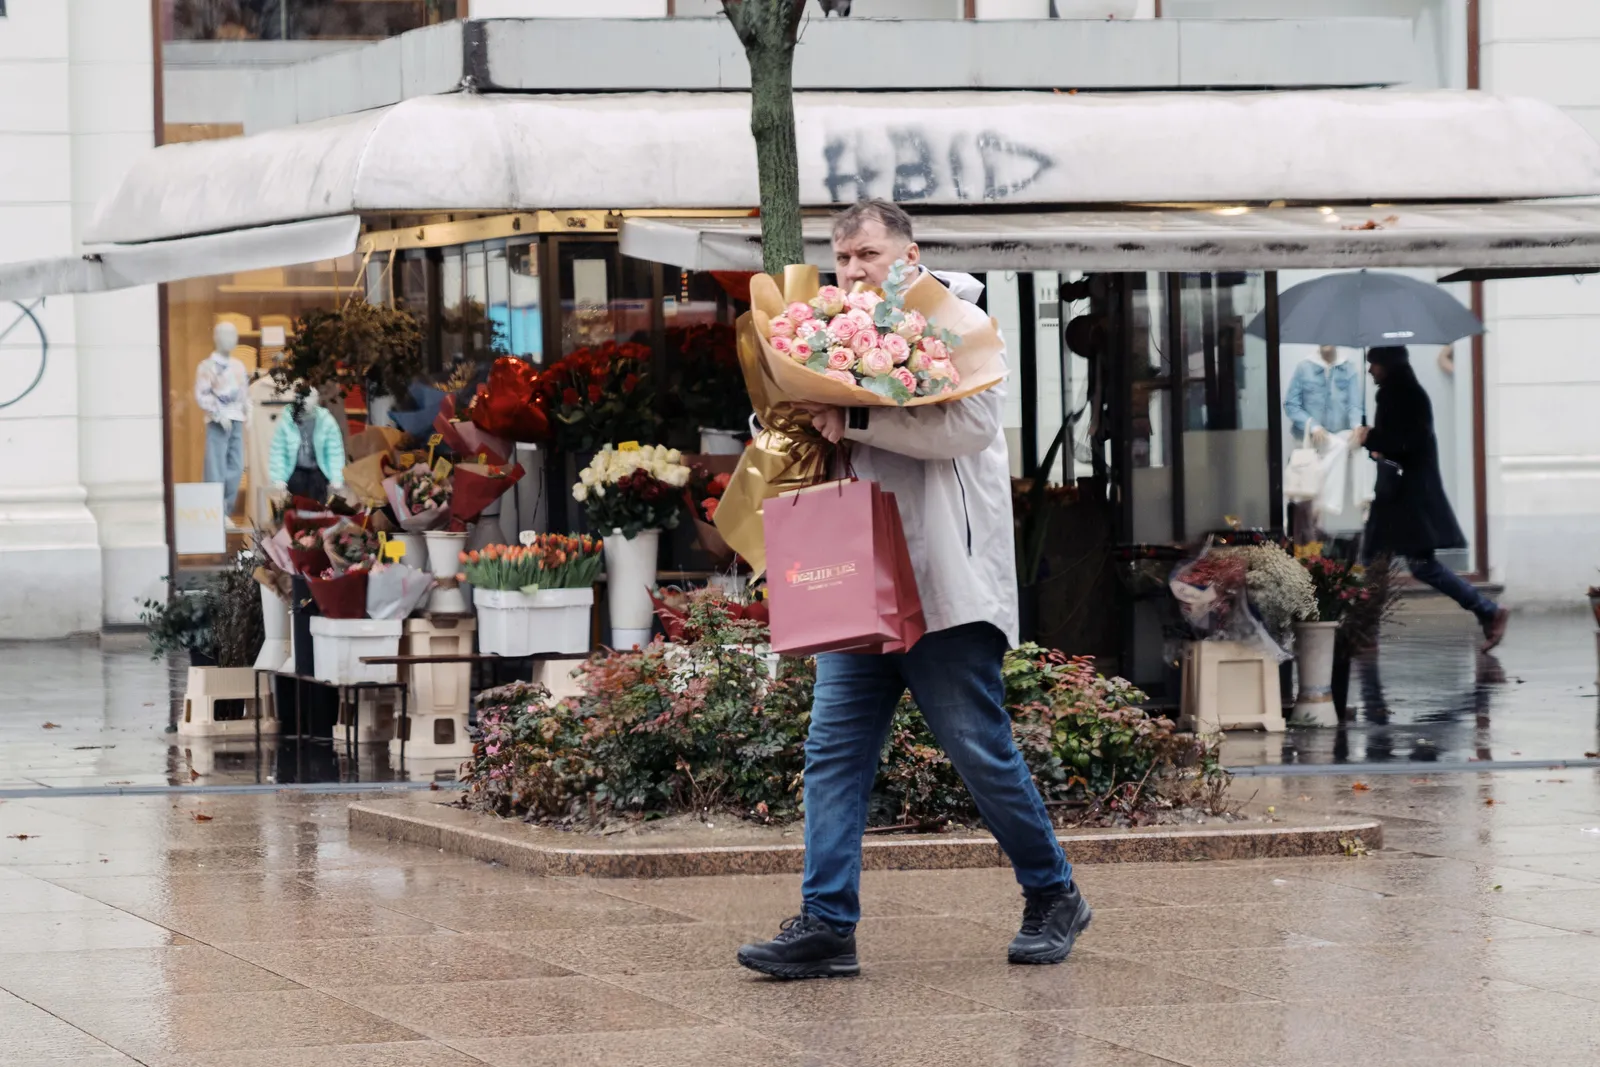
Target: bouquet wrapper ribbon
[(467, 440), (787, 454)]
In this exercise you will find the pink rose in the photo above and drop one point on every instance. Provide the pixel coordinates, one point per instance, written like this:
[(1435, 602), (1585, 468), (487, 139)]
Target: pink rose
[(876, 363), (800, 351), (896, 346), (935, 349), (862, 319), (843, 328), (841, 376), (917, 362), (831, 297), (941, 370), (913, 326), (782, 326), (864, 342), (798, 312), (906, 378), (840, 359), (782, 345), (862, 301), (809, 329)]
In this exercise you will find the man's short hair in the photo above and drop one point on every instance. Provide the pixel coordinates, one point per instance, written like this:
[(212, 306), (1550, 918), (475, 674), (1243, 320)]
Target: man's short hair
[(894, 220)]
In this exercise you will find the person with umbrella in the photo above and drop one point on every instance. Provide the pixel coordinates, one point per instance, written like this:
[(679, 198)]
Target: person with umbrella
[(1411, 516)]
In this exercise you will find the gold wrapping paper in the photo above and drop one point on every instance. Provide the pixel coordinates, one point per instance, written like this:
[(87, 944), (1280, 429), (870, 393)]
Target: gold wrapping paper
[(788, 454)]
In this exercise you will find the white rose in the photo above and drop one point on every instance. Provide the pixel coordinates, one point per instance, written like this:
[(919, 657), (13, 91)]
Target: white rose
[(674, 456), (599, 491), (586, 476), (580, 492)]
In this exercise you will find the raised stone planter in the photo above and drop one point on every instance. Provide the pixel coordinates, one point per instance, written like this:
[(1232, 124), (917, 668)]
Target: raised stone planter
[(426, 820)]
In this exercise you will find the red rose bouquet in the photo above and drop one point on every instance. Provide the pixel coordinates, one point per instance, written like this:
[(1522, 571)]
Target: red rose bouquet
[(600, 394)]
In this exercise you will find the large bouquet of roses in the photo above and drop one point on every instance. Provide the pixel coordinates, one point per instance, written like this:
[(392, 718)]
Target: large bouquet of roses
[(629, 488), (910, 342), (871, 340)]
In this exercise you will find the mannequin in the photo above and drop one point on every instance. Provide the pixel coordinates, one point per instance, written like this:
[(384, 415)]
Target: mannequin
[(222, 389), (307, 448)]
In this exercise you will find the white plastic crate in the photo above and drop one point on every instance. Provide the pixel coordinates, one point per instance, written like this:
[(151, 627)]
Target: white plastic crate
[(337, 646), (511, 623)]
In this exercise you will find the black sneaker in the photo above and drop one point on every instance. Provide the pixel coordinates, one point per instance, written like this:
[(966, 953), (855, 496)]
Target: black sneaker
[(806, 947), (1051, 922)]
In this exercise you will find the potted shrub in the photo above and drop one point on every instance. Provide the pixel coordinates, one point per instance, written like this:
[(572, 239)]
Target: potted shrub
[(372, 346), (631, 494), (221, 625), (535, 597)]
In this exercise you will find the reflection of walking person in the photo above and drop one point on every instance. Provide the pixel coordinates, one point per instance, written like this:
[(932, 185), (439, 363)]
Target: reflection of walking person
[(1324, 398), (1411, 515)]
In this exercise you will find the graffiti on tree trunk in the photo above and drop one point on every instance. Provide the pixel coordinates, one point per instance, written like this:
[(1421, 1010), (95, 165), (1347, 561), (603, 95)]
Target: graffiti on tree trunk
[(906, 164)]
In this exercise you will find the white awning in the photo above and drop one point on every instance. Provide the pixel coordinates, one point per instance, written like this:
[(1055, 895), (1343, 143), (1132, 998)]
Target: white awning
[(1548, 234), (690, 151), (124, 266)]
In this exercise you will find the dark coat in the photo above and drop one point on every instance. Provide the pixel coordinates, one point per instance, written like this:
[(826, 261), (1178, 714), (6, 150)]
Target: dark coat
[(1411, 515)]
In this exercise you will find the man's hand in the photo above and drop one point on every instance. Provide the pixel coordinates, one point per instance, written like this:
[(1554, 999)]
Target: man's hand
[(1358, 437), (829, 421)]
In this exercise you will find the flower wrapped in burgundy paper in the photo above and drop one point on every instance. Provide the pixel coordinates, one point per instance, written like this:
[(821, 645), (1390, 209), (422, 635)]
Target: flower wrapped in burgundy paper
[(465, 439), (306, 551), (474, 486), (342, 596), (419, 501), (510, 405)]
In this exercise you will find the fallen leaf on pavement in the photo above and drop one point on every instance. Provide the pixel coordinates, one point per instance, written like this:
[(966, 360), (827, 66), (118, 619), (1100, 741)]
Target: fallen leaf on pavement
[(52, 726), (201, 816), (1591, 755), (1488, 802), (21, 837), (1498, 888), (1360, 787)]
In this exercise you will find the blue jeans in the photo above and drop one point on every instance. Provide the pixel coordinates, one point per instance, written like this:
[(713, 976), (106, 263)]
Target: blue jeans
[(225, 460), (1428, 570), (954, 676)]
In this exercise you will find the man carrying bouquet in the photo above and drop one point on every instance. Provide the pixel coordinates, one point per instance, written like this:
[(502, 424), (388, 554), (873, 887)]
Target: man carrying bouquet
[(947, 466)]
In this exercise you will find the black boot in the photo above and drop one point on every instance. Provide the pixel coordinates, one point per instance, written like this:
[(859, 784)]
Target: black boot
[(1051, 922), (806, 947)]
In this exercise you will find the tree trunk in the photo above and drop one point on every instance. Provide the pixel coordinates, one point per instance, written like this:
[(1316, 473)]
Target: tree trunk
[(768, 29)]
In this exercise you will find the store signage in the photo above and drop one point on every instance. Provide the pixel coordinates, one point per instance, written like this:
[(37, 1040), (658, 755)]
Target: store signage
[(198, 523)]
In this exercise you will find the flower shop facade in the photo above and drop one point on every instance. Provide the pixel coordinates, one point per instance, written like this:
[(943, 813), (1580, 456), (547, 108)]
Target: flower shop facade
[(546, 227)]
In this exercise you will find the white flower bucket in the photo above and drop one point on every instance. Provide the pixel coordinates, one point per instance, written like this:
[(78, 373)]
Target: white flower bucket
[(630, 578), (444, 560), (721, 442), (1313, 653), (532, 506), (511, 623), (275, 621), (337, 646)]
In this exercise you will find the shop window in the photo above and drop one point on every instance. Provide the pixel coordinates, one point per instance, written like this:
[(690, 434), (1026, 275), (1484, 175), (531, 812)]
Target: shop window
[(284, 20), (1226, 404), (605, 296), (1150, 422), (262, 306)]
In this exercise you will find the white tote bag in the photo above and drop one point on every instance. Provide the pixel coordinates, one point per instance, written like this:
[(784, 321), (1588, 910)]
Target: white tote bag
[(1302, 479)]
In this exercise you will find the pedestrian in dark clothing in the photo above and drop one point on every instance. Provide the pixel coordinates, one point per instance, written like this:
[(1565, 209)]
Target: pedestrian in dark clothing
[(1411, 515)]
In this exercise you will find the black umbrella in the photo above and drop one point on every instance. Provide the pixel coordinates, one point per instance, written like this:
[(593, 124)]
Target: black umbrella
[(1366, 309)]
